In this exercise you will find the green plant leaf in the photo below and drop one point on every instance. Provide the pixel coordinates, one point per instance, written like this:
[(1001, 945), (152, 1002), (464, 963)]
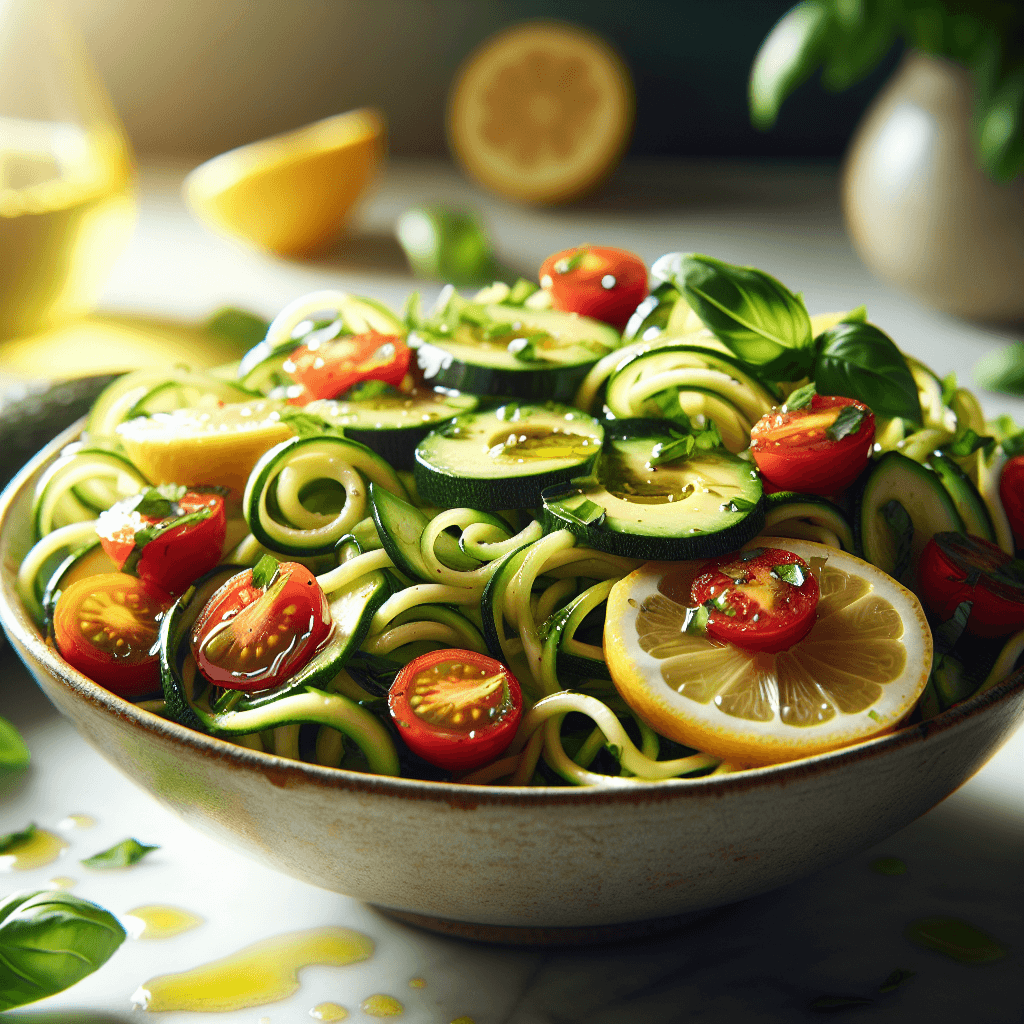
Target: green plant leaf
[(696, 621), (946, 634), (792, 572), (801, 398), (669, 451), (15, 839), (1002, 370), (898, 520), (847, 422), (306, 424), (760, 319), (120, 855), (859, 361), (50, 940), (968, 442), (998, 126), (264, 571), (860, 36), (13, 752), (788, 56), (949, 386), (237, 325), (159, 502)]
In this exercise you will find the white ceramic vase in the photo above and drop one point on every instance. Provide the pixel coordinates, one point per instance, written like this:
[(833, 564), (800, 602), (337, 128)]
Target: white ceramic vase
[(920, 211)]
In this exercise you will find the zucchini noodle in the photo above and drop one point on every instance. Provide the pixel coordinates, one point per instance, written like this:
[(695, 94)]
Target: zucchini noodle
[(66, 538), (348, 572)]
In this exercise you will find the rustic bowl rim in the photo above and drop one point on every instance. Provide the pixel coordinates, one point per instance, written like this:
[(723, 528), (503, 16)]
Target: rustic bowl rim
[(287, 773)]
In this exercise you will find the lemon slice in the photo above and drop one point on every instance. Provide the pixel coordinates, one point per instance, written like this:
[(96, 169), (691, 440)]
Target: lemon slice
[(856, 674), (216, 445), (541, 112), (291, 194)]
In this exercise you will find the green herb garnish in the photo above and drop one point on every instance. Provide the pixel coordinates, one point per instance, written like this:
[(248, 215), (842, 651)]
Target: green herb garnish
[(792, 572), (587, 513), (669, 451), (237, 325), (160, 502), (120, 855), (899, 522), (305, 424), (15, 839), (738, 505), (847, 422), (696, 621), (13, 751), (969, 441), (569, 263), (801, 398), (264, 571), (720, 603)]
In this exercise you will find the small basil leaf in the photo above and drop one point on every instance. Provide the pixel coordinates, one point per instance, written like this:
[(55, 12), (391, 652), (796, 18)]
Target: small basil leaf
[(367, 390), (264, 571), (148, 534), (847, 422), (739, 505), (792, 572), (899, 522), (305, 424), (669, 451), (159, 502), (945, 634), (859, 361), (801, 398), (969, 441), (49, 941), (949, 387), (520, 292), (1014, 445), (696, 621), (237, 325), (120, 855), (15, 839), (895, 979), (569, 263), (13, 751), (720, 603), (760, 319), (1002, 370), (587, 513)]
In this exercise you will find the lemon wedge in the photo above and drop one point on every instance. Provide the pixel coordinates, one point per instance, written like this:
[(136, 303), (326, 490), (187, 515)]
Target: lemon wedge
[(291, 194), (541, 112), (212, 446), (857, 673)]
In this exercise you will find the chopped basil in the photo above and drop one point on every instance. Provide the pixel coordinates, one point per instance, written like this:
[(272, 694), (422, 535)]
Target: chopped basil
[(238, 325), (720, 603), (120, 855), (15, 839), (148, 534), (801, 398), (949, 387), (696, 621), (969, 441), (13, 752), (305, 424), (739, 505), (899, 522), (569, 263), (526, 348), (520, 292), (160, 502), (264, 571), (945, 634), (874, 715), (847, 422), (667, 403), (792, 572), (367, 390), (669, 451), (587, 513), (956, 939)]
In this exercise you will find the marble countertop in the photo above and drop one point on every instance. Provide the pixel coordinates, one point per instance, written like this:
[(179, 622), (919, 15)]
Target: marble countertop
[(839, 933)]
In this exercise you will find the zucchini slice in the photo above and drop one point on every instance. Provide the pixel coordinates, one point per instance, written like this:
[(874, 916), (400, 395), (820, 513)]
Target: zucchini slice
[(88, 560), (897, 483), (968, 501), (505, 458), (697, 507), (804, 516), (393, 423), (512, 351)]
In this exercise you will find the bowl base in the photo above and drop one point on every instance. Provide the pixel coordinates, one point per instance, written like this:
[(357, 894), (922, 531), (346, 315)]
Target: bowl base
[(513, 935)]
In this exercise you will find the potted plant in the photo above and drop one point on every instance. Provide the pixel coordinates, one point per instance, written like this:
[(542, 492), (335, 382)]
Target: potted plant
[(932, 192)]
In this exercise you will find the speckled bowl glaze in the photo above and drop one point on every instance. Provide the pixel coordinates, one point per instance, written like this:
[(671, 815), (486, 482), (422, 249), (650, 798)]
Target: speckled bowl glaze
[(504, 864)]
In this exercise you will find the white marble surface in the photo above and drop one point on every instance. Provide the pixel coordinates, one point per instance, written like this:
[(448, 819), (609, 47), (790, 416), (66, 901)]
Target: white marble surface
[(840, 932)]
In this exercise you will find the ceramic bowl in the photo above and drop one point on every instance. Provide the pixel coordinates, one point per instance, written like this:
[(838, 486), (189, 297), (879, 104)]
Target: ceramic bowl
[(505, 864)]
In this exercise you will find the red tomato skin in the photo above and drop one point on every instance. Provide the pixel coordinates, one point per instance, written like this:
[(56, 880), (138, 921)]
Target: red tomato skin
[(244, 616), (820, 467), (1011, 494), (454, 750), (175, 560), (580, 290), (129, 675), (771, 632), (946, 561), (329, 368)]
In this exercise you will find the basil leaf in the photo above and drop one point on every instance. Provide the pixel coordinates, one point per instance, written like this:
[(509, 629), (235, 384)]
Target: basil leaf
[(969, 441), (669, 451), (801, 398), (946, 634), (1014, 445), (569, 263), (13, 751), (15, 839), (898, 520), (792, 572), (859, 361), (949, 387), (148, 534), (847, 422), (237, 325), (696, 621), (1002, 370), (739, 505), (49, 941), (159, 502), (720, 603), (895, 979), (305, 424), (520, 292), (264, 571), (120, 855), (760, 319), (367, 390), (587, 513)]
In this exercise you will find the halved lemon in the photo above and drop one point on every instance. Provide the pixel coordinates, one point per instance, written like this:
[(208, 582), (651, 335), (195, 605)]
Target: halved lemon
[(212, 446), (292, 193), (856, 674), (541, 112)]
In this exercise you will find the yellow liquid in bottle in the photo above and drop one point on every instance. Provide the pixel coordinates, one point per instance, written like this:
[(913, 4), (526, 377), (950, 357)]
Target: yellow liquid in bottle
[(66, 211)]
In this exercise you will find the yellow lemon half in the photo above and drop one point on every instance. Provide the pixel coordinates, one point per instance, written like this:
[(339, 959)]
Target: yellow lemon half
[(291, 194), (541, 112), (856, 674), (211, 446)]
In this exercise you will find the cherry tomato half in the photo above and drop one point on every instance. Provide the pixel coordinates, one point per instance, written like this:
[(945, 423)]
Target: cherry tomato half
[(1011, 494), (150, 546), (794, 450), (756, 601), (252, 637), (328, 368), (108, 627), (596, 281), (955, 568), (456, 709)]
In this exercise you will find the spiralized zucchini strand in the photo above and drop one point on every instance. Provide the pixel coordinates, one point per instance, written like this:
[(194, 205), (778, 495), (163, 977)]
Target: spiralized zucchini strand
[(70, 537), (348, 572), (419, 593), (413, 632), (474, 540)]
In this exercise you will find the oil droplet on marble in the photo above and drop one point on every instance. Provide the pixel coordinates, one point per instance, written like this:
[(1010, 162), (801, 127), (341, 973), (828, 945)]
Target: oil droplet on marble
[(328, 1011), (957, 939), (157, 921), (76, 821), (261, 973), (39, 849), (381, 1006), (417, 983), (61, 882)]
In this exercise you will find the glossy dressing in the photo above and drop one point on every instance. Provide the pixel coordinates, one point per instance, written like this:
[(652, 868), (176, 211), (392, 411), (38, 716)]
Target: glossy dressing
[(157, 921), (35, 852)]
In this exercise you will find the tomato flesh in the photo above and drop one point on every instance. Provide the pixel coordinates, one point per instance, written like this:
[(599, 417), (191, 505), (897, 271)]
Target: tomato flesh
[(328, 368), (1011, 494), (751, 605), (956, 568), (794, 452), (252, 638), (108, 627), (597, 281), (178, 556), (457, 709)]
